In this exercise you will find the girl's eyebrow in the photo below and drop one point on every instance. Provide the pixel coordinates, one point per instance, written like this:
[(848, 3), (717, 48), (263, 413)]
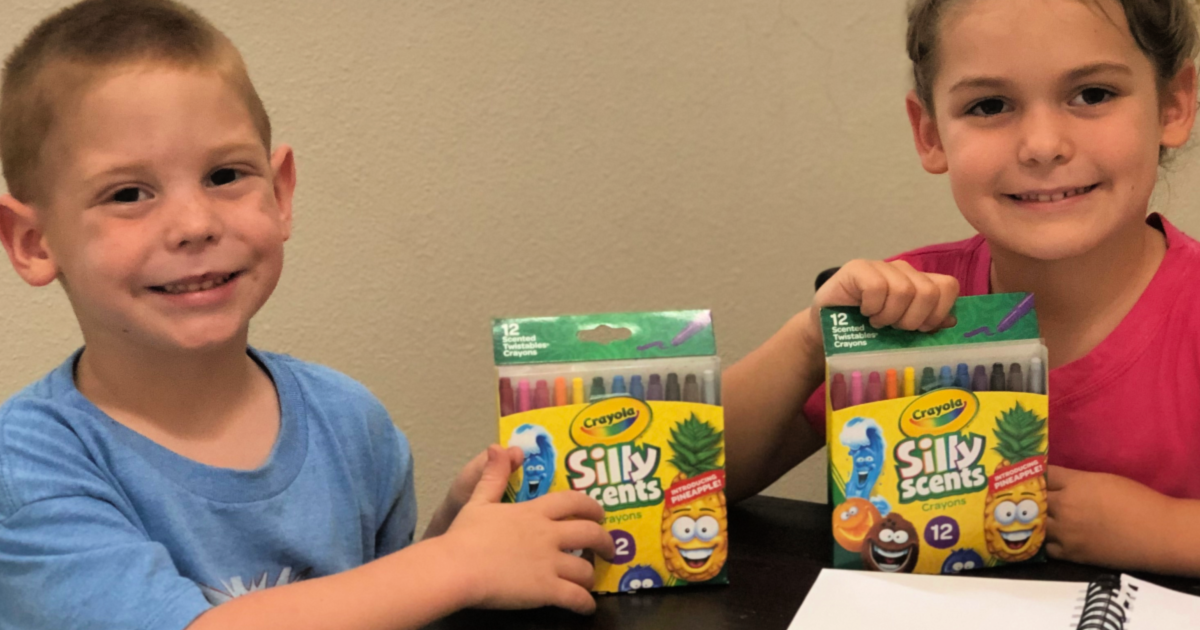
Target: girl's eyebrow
[(1071, 76)]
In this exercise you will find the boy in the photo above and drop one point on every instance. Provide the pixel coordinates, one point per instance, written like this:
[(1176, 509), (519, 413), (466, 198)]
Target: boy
[(167, 467)]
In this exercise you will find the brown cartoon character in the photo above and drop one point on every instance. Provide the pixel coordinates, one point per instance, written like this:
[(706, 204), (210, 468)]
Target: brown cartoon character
[(891, 546)]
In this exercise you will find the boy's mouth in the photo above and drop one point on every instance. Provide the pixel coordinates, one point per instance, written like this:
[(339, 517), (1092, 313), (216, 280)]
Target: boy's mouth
[(196, 283), (1051, 196)]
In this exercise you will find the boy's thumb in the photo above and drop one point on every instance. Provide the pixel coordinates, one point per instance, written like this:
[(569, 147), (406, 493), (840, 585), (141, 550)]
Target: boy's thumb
[(495, 475)]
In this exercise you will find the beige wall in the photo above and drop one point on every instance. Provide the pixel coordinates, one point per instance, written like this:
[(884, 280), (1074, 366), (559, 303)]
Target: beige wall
[(462, 160)]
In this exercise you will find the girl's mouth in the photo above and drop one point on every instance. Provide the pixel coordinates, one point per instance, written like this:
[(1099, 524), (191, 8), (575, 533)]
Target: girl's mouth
[(1039, 197)]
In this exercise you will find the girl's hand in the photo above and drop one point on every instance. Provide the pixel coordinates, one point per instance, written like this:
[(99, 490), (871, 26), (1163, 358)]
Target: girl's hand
[(516, 554), (1103, 519), (890, 294)]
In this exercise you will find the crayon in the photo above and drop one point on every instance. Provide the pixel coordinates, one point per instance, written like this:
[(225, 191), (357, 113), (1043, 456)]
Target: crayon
[(541, 395), (998, 381), (929, 380), (837, 392), (654, 391), (910, 382), (1020, 310), (506, 397), (691, 388), (890, 389), (1016, 380), (597, 388), (979, 381), (618, 386), (945, 377), (672, 387), (856, 390), (635, 387), (560, 392), (523, 402), (874, 387), (710, 387), (962, 379), (578, 396), (1037, 379)]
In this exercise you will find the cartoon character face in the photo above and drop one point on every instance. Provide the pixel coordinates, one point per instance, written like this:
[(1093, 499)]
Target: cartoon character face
[(537, 471), (639, 576), (891, 546), (694, 537), (961, 560), (852, 521), (1017, 524), (864, 438)]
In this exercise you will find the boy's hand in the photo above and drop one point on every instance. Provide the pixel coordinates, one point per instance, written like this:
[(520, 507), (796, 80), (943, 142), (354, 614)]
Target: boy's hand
[(516, 554), (461, 489), (890, 294), (1103, 519)]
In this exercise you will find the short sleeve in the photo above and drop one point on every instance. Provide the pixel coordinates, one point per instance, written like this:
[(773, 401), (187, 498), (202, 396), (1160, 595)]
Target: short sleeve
[(400, 515)]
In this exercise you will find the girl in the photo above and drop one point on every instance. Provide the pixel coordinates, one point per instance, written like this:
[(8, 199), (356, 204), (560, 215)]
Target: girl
[(1051, 118)]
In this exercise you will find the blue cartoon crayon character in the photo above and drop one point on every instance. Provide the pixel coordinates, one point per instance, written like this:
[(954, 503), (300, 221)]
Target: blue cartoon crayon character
[(639, 576), (961, 560), (864, 438), (538, 468)]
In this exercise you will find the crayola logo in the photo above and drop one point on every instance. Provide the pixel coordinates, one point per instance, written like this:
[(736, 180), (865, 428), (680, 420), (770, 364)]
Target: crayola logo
[(610, 421), (939, 412)]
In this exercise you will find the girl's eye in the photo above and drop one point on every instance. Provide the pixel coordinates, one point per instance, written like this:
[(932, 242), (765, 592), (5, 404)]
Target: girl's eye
[(988, 107), (223, 176), (131, 194), (1092, 96)]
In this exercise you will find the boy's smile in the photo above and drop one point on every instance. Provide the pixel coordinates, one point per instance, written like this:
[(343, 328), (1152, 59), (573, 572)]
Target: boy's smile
[(165, 215), (1048, 122)]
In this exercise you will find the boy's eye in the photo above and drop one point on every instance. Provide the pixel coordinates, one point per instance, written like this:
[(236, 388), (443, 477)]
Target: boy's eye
[(1092, 96), (988, 107), (223, 176), (129, 195)]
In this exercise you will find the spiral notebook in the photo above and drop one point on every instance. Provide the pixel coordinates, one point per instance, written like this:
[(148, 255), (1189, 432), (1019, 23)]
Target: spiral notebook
[(853, 600)]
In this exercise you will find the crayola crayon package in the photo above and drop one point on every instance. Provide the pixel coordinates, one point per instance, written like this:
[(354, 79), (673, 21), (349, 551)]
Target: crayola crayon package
[(626, 408), (937, 441)]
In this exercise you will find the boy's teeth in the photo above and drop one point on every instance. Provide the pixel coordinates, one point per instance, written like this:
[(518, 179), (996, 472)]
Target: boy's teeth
[(193, 287)]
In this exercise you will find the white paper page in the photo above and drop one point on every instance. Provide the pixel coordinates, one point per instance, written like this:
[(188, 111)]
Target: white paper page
[(1158, 608), (861, 600)]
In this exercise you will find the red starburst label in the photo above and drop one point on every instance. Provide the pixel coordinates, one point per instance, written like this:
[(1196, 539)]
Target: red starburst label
[(1013, 474), (695, 487)]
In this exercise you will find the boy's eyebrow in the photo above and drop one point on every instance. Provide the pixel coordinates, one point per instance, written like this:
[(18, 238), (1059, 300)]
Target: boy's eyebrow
[(1070, 77)]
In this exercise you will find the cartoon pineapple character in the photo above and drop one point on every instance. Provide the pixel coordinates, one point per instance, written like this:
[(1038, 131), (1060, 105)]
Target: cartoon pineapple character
[(695, 537), (1014, 518)]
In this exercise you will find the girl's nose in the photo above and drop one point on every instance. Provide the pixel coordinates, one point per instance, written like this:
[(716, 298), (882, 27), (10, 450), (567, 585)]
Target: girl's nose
[(1045, 138)]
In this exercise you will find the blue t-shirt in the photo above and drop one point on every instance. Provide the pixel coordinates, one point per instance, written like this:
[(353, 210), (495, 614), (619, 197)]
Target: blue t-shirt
[(101, 527)]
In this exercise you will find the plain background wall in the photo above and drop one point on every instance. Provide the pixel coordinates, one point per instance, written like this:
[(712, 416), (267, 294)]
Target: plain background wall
[(465, 160)]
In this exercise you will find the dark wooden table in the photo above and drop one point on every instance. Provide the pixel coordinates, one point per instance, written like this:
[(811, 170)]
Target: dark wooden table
[(777, 548)]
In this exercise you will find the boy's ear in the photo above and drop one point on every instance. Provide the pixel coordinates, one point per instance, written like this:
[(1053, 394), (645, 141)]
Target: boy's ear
[(1178, 107), (25, 241), (925, 135), (283, 180)]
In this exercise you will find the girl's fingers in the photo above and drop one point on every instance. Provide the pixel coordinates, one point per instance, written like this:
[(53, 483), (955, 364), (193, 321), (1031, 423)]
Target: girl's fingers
[(947, 287), (585, 535), (923, 303), (900, 293), (865, 285)]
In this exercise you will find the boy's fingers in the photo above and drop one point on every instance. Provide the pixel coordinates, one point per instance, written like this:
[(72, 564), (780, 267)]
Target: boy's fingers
[(516, 456), (494, 478), (573, 597), (900, 293), (576, 570), (585, 535), (557, 506)]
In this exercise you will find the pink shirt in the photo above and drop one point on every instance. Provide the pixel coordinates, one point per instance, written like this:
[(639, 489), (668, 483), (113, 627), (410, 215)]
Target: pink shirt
[(1132, 405)]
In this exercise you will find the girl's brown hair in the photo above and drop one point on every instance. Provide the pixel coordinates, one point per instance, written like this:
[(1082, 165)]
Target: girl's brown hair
[(1164, 29)]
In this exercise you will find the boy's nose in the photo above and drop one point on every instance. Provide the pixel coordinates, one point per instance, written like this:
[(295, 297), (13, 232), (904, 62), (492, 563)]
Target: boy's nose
[(1045, 138), (194, 222)]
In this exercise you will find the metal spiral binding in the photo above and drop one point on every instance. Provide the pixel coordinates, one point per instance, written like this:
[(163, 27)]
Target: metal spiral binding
[(1106, 605)]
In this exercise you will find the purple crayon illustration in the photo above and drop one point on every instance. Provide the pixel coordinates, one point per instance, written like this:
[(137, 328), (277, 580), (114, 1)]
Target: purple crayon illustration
[(702, 321), (1020, 310)]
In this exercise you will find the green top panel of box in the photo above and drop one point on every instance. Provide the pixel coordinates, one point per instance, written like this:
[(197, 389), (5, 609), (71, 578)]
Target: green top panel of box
[(606, 337), (981, 319)]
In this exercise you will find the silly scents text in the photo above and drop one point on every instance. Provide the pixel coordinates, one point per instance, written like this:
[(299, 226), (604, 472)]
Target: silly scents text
[(931, 467), (619, 476)]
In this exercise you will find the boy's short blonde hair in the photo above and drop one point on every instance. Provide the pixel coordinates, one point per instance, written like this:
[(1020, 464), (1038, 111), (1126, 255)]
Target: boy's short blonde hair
[(73, 47)]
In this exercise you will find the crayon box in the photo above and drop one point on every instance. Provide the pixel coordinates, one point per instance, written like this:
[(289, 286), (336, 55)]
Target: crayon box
[(937, 441), (626, 408)]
